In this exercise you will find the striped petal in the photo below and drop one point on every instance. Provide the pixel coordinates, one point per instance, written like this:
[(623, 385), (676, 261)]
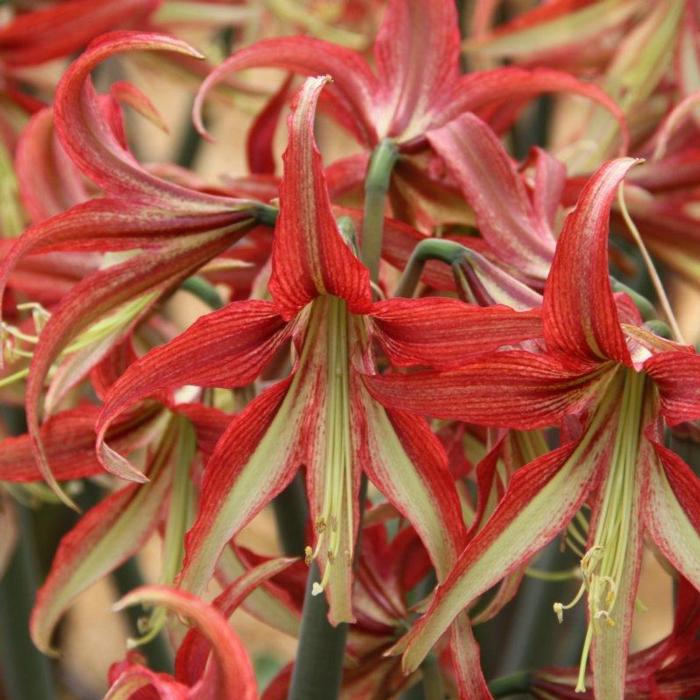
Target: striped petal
[(105, 537), (495, 190), (509, 389), (309, 255), (580, 316), (540, 500), (416, 53), (442, 333)]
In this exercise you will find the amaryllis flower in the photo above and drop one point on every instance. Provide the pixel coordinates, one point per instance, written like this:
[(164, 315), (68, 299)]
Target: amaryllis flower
[(618, 383), (416, 85), (321, 416), (181, 229)]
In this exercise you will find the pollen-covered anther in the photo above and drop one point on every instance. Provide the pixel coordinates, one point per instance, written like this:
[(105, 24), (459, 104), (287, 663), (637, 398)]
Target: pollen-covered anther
[(308, 555)]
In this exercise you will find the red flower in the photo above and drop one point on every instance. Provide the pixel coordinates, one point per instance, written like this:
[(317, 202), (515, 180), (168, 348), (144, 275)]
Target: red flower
[(321, 416), (617, 381)]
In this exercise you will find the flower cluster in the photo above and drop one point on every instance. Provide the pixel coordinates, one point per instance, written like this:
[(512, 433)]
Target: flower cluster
[(433, 356)]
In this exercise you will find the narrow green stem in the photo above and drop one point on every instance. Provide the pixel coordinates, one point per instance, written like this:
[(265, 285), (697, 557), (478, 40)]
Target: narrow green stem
[(513, 684), (203, 290), (376, 187), (644, 306), (26, 672), (440, 249), (266, 215)]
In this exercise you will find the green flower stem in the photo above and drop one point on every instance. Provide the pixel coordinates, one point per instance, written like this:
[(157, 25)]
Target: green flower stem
[(644, 306), (266, 214), (204, 291), (440, 249), (318, 672), (376, 187), (513, 684), (26, 672)]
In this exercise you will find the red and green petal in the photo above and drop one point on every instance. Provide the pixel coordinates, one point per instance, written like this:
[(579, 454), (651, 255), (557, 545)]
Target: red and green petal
[(509, 389), (580, 316), (672, 513), (254, 460), (677, 376), (493, 188), (105, 537), (416, 55), (309, 255), (139, 282), (540, 500), (444, 333)]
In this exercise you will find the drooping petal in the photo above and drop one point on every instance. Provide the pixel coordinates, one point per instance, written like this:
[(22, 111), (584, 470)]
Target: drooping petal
[(354, 85), (509, 389), (444, 333), (482, 89), (493, 188), (417, 58), (225, 348), (677, 376), (309, 255), (580, 316), (673, 511), (234, 676), (253, 461), (139, 281), (105, 537), (405, 461), (89, 137), (540, 500), (407, 464)]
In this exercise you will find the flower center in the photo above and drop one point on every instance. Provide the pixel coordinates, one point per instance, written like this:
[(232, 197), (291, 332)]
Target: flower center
[(335, 524), (603, 564)]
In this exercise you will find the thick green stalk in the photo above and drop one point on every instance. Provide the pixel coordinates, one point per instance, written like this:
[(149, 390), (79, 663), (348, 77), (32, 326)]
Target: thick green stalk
[(290, 513), (26, 672), (318, 671), (376, 187)]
